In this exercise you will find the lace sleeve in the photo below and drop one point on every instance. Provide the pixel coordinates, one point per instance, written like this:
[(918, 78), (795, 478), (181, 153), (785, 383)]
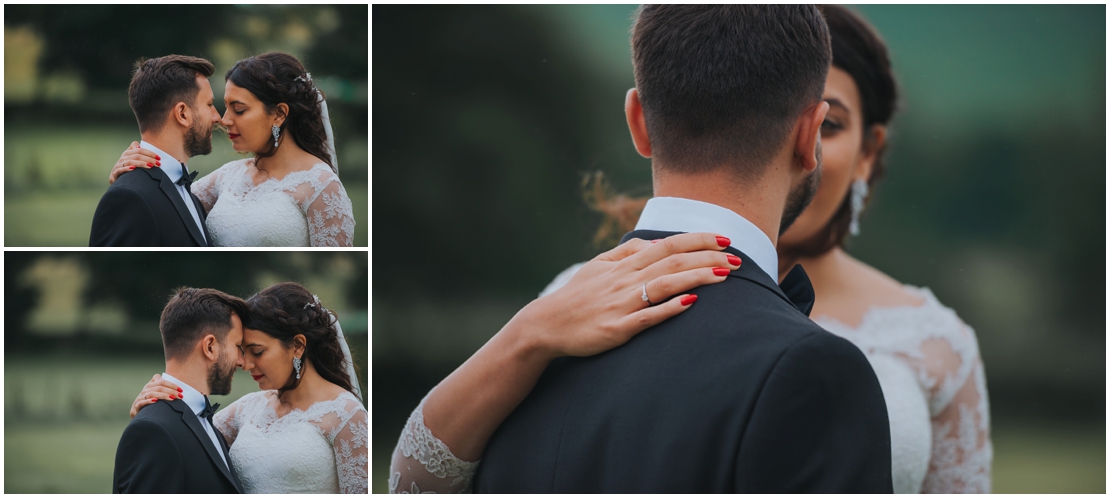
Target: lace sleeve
[(352, 455), (331, 220), (206, 188), (422, 463), (961, 450), (227, 421)]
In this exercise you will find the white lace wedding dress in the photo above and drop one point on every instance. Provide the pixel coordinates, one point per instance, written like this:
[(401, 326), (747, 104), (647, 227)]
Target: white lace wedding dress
[(928, 365), (306, 208), (321, 450)]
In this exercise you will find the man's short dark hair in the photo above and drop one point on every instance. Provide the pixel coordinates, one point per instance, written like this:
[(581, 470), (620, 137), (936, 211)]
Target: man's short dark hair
[(159, 84), (723, 85), (193, 313)]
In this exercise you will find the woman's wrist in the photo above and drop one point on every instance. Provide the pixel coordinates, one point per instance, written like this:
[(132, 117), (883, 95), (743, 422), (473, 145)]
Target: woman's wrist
[(529, 335)]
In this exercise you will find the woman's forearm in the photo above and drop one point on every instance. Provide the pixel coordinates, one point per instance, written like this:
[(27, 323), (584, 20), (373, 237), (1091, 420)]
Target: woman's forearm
[(466, 408)]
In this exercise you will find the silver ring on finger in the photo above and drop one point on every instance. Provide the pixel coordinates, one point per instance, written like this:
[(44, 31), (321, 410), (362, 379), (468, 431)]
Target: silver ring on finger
[(644, 296)]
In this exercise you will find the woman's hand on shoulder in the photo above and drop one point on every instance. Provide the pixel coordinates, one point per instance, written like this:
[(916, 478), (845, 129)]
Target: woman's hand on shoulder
[(602, 306), (134, 157), (153, 391)]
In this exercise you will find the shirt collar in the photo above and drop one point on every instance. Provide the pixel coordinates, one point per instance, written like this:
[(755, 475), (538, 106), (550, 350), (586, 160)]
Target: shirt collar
[(192, 397), (170, 167), (674, 214)]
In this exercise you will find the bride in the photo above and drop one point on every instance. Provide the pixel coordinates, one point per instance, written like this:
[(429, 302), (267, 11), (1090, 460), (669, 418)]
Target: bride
[(289, 193), (306, 430)]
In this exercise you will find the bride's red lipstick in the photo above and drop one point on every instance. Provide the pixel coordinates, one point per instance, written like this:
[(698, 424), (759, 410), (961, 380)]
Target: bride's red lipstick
[(232, 136), (256, 377)]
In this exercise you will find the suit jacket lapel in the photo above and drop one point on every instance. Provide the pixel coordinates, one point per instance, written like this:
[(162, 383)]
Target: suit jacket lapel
[(227, 451), (170, 190), (190, 419), (203, 217)]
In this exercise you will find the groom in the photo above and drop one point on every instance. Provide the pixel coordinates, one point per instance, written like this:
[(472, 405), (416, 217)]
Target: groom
[(742, 393), (173, 447), (173, 103)]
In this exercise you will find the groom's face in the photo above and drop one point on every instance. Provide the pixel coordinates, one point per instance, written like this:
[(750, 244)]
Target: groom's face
[(221, 372), (198, 138)]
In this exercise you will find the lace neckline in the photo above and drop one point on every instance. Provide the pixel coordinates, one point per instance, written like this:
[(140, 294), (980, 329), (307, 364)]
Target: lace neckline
[(327, 406), (285, 179), (876, 313)]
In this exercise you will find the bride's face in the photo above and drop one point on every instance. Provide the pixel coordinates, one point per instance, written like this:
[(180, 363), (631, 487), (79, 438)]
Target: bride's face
[(247, 122), (269, 362), (845, 157)]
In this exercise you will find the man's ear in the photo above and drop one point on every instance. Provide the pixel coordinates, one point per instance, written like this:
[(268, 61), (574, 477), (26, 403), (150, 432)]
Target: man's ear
[(182, 114), (209, 346), (634, 113), (809, 134)]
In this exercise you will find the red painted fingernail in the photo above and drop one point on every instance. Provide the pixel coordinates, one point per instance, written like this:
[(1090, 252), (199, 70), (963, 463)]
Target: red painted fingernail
[(723, 241), (148, 164), (720, 272), (733, 260), (131, 168), (159, 163), (156, 156), (688, 300), (180, 391), (153, 400)]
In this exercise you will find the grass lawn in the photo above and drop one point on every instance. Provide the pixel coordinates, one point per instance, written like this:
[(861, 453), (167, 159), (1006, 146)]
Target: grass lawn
[(63, 218), (1027, 459)]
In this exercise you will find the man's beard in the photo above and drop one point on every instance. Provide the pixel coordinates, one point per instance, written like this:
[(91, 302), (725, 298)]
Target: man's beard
[(219, 376), (801, 196), (198, 140)]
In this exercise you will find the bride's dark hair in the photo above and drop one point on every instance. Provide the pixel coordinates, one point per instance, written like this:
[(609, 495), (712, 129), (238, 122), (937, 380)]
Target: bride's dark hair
[(284, 310), (275, 77)]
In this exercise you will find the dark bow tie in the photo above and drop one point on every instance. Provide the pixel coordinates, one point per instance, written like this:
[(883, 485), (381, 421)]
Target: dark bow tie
[(187, 178), (798, 289), (209, 410)]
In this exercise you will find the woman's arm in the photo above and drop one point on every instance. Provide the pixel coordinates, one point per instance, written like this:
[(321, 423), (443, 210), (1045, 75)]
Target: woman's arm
[(599, 309)]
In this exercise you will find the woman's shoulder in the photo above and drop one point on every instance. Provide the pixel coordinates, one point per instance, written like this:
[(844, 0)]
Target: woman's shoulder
[(892, 315)]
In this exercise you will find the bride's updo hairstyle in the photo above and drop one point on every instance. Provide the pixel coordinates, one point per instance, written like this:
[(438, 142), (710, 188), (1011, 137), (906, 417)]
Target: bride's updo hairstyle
[(273, 78), (284, 310)]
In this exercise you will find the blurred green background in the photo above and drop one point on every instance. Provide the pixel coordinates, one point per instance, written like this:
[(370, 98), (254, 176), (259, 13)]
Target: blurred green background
[(67, 120), (488, 117), (81, 339)]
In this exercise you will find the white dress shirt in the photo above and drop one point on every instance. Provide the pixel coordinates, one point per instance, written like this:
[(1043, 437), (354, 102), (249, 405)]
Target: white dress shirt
[(172, 169), (195, 400), (674, 214)]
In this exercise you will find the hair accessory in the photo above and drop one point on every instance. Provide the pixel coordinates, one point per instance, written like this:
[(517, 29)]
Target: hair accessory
[(316, 301), (859, 194), (276, 131)]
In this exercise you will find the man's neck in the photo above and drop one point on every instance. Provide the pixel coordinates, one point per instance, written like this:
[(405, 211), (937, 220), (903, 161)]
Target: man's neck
[(170, 143), (196, 376), (760, 202)]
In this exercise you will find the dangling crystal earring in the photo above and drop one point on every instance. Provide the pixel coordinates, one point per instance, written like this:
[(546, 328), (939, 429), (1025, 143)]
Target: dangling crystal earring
[(859, 194), (297, 367), (276, 131)]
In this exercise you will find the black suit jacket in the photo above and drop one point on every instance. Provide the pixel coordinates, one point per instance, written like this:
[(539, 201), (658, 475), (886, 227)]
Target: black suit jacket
[(143, 208), (165, 450), (740, 394)]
